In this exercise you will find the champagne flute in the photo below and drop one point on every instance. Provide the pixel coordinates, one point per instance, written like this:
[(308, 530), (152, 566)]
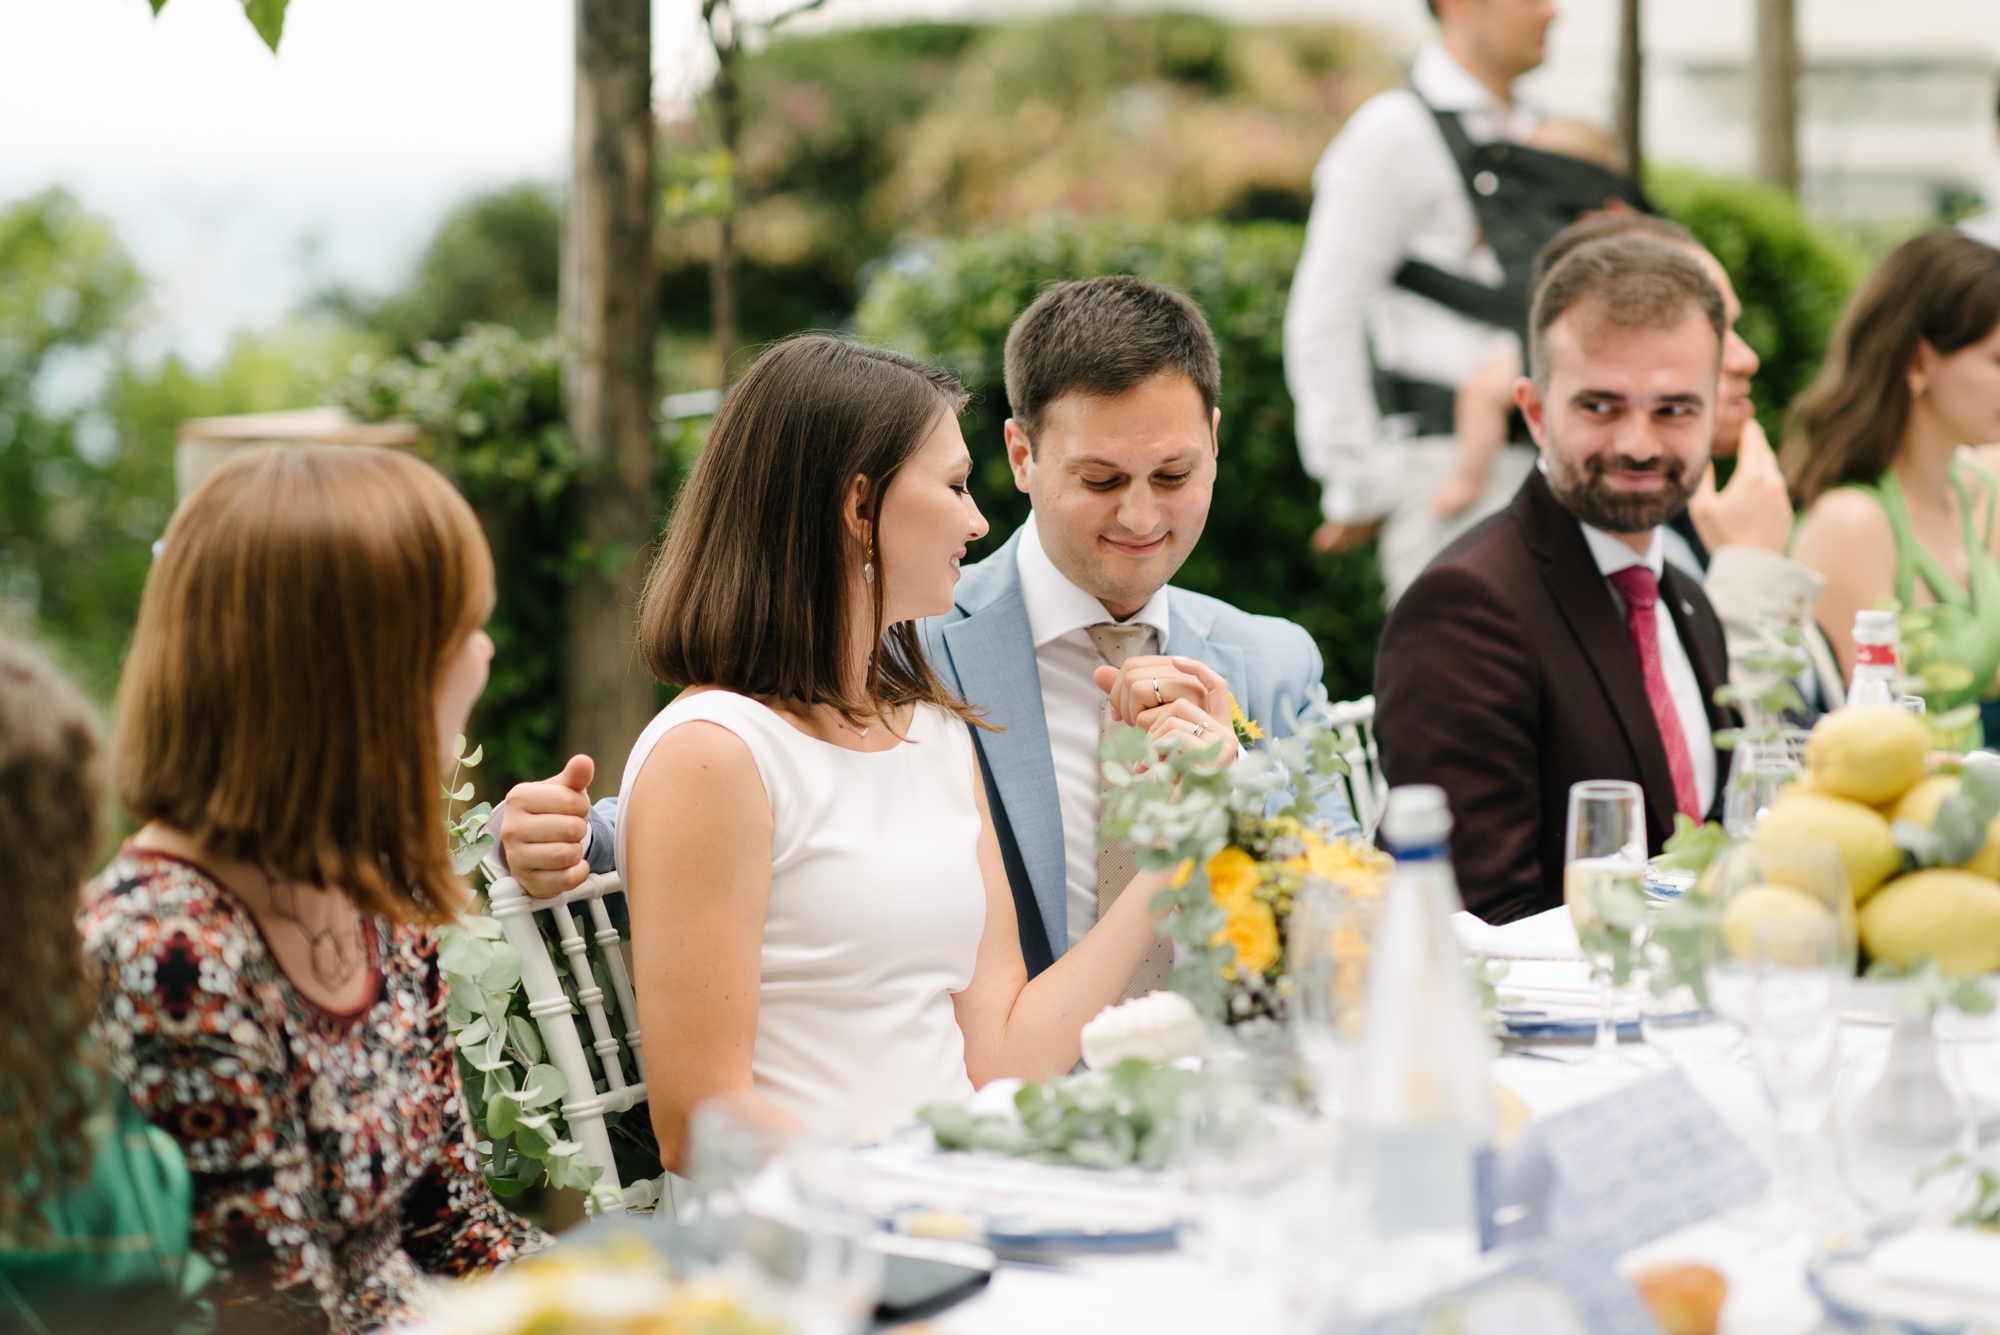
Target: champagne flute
[(1799, 971), (1604, 885)]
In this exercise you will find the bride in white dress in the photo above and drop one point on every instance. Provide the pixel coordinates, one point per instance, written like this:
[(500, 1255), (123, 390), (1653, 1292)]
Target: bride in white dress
[(821, 924)]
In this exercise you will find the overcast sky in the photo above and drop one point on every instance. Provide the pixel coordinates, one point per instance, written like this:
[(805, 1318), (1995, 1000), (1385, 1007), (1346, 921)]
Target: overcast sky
[(242, 180)]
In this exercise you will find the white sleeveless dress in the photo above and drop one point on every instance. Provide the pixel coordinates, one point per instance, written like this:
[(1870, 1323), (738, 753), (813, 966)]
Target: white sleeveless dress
[(877, 906)]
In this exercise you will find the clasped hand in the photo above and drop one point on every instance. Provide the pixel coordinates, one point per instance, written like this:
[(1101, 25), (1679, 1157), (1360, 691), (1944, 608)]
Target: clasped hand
[(1166, 694)]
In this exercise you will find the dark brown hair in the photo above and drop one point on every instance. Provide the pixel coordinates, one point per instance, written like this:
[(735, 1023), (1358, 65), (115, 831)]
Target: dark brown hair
[(1625, 282), (1602, 227), (750, 590), (1102, 336), (1941, 288), (51, 794), (279, 702)]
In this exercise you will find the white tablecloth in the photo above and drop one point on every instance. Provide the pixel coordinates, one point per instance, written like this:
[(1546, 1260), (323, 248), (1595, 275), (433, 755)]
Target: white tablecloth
[(1174, 1292)]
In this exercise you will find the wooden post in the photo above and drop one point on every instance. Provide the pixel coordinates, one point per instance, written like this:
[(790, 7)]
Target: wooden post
[(1777, 87), (608, 293), (1631, 88)]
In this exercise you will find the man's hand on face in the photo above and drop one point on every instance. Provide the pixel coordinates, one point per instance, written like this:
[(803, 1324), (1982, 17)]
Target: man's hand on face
[(1166, 695), (542, 830), (1754, 510)]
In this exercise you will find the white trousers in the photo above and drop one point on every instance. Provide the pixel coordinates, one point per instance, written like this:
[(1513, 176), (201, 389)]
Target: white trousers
[(1412, 532)]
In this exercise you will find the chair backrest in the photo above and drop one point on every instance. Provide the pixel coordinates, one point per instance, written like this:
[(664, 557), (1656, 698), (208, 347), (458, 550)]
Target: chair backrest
[(1367, 790), (591, 1095)]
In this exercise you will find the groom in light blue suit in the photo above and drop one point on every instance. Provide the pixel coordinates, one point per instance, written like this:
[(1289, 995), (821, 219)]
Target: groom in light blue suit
[(1112, 383)]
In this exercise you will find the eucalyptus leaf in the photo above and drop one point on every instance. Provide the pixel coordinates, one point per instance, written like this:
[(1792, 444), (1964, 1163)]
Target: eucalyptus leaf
[(472, 761), (502, 1116), (464, 954), (503, 971), (543, 1085), (527, 1038), (481, 926)]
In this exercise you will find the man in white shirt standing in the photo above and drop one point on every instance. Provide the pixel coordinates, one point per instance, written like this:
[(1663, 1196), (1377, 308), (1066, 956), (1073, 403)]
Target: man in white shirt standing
[(1390, 190), (1554, 643)]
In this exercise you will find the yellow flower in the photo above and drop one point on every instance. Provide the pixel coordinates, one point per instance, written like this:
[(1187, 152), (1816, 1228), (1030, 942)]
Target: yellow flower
[(1246, 730), (1362, 870), (1182, 871), (1232, 875), (1253, 930)]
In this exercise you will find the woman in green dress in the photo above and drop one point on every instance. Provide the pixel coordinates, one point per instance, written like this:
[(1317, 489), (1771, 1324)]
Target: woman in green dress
[(94, 1201), (1894, 505)]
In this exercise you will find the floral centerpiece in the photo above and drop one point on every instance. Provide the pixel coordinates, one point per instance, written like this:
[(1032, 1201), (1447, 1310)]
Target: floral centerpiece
[(1243, 841)]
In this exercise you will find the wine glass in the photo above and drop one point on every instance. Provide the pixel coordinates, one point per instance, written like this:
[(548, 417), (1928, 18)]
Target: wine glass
[(1331, 937), (1752, 881), (1799, 970), (1604, 884), (1758, 771)]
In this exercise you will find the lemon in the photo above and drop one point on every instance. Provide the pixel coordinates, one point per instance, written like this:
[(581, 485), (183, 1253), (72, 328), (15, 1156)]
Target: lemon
[(1859, 833), (1986, 862), (1765, 904), (1952, 916), (1872, 755), (1921, 803)]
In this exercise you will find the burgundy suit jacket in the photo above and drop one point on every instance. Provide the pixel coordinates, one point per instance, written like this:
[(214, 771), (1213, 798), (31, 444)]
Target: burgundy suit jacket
[(1506, 674)]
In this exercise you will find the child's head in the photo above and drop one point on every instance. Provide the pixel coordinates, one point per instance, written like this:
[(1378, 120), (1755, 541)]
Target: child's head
[(1578, 139), (305, 649)]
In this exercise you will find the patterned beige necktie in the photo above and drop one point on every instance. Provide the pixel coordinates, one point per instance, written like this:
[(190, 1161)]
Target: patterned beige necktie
[(1115, 865)]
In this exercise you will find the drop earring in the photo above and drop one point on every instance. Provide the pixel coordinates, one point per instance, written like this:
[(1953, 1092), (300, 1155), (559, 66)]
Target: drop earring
[(868, 566)]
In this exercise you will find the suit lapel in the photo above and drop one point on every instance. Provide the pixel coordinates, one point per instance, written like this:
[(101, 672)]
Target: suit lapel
[(1574, 581), (992, 654)]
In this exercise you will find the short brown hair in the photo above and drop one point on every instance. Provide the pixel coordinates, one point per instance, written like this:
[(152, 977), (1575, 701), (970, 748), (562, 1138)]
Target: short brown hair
[(1627, 282), (1604, 226), (1102, 336), (51, 792), (750, 590), (279, 702), (1940, 288)]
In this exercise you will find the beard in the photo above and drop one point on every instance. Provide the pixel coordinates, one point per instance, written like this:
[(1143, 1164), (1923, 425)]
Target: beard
[(1579, 484)]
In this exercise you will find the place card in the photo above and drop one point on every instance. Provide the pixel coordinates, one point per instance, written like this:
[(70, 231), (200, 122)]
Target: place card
[(1637, 1164)]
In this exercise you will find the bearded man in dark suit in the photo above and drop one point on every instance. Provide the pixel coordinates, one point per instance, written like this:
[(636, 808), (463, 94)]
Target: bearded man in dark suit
[(1552, 643)]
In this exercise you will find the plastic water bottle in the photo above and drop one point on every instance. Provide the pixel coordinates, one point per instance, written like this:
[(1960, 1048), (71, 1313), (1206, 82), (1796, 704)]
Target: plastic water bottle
[(1421, 1115), (1877, 673)]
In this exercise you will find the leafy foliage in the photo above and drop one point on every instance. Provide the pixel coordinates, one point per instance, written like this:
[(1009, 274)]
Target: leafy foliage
[(1119, 1118), (1791, 275), (1177, 806), (953, 303), (1958, 831)]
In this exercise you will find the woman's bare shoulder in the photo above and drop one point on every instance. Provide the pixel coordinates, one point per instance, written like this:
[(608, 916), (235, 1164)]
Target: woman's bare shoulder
[(1843, 516)]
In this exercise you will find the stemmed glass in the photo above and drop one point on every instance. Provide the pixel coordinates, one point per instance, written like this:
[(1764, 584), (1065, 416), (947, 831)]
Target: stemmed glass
[(1604, 884), (1331, 936), (1799, 973)]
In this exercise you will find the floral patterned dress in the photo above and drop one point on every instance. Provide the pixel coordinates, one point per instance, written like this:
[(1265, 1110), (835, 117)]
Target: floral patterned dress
[(331, 1156)]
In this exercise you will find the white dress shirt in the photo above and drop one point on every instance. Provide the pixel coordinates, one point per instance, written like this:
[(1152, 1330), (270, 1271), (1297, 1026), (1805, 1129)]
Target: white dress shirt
[(1387, 189), (1058, 613), (1613, 555)]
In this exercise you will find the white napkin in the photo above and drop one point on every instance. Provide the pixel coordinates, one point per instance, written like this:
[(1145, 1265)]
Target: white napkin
[(1545, 936), (1963, 1262)]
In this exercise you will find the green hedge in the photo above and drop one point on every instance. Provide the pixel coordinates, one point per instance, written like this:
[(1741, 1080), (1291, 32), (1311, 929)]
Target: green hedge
[(953, 303), (1791, 276)]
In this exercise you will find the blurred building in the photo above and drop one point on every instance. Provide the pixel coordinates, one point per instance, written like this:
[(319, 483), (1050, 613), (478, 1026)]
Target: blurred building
[(1898, 115)]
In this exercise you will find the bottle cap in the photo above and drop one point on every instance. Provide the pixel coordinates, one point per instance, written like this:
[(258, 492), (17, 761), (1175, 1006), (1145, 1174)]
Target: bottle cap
[(1875, 626), (1416, 816)]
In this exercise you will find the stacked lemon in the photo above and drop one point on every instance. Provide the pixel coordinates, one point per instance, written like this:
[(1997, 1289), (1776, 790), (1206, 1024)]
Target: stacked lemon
[(1864, 772)]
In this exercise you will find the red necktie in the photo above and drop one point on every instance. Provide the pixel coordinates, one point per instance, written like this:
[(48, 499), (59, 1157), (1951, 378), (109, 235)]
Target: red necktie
[(1641, 589)]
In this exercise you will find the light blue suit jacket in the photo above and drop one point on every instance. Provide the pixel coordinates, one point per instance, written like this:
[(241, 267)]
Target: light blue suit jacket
[(985, 649)]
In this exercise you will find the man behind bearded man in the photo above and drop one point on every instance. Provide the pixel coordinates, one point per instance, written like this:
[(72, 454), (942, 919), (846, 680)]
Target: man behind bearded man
[(1553, 643)]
